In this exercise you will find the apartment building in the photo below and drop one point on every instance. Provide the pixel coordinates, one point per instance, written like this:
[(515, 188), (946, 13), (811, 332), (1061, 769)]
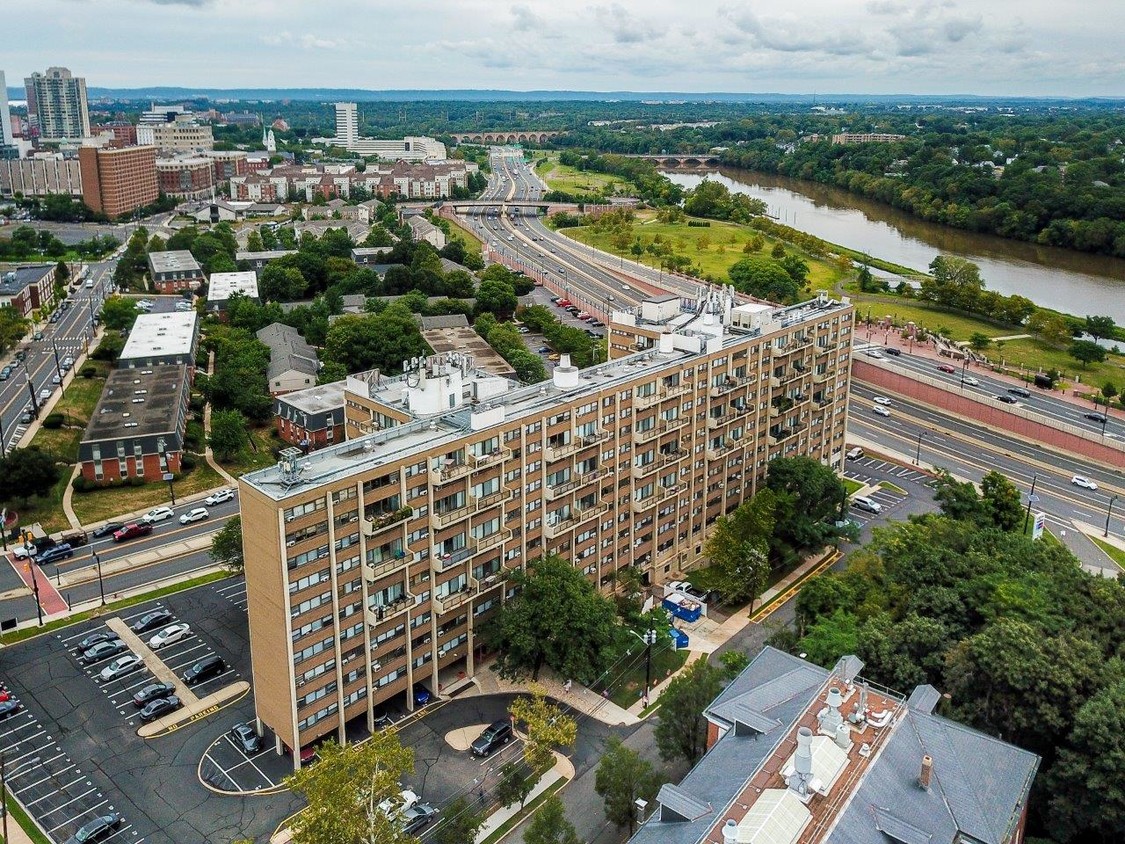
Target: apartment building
[(371, 564), (176, 136), (118, 181), (174, 271), (56, 105), (41, 175)]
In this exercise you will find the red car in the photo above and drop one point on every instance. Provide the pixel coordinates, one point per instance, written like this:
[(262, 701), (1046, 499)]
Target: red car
[(132, 531), (945, 367), (563, 303)]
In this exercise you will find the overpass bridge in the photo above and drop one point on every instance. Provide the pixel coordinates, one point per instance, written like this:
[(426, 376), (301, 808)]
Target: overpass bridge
[(533, 136), (525, 206)]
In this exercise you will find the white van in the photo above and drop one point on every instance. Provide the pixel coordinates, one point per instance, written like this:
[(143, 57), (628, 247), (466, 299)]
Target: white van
[(862, 502)]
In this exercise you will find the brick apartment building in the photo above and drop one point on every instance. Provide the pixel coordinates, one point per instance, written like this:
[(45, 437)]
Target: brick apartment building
[(186, 176), (117, 181), (797, 754), (312, 418), (28, 287), (371, 564), (137, 428), (174, 271)]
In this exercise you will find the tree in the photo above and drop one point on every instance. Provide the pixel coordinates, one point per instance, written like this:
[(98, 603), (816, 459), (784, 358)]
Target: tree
[(119, 313), (496, 297), (1100, 327), (282, 284), (546, 728), (13, 326), (979, 342), (514, 784), (764, 278), (956, 283), (228, 434), (1001, 501), (344, 789), (27, 472), (1052, 327), (383, 340), (460, 823), (738, 548), (226, 545), (1086, 352), (958, 499), (622, 778), (549, 825), (808, 501), (557, 619), (681, 732), (62, 273)]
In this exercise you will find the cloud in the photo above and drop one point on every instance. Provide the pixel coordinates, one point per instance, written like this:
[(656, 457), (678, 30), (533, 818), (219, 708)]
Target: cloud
[(305, 42), (525, 20), (626, 28), (797, 36), (196, 3)]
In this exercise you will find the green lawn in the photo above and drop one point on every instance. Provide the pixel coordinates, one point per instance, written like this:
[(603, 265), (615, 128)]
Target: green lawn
[(627, 689), (471, 242), (572, 180), (713, 250), (1111, 551), (104, 504), (259, 456), (852, 486), (77, 406), (47, 510)]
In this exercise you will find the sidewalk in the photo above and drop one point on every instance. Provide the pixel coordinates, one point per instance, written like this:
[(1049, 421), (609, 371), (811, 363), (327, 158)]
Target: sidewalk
[(589, 702), (208, 455), (562, 770)]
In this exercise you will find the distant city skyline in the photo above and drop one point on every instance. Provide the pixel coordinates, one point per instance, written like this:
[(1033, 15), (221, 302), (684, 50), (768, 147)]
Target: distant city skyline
[(1004, 47)]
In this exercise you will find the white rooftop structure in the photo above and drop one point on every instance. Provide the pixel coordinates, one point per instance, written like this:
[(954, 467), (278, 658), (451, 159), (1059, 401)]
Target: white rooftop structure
[(162, 336), (222, 286)]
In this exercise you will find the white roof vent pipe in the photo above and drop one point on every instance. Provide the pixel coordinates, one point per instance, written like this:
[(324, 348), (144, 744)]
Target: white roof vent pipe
[(730, 832), (565, 376), (667, 345), (802, 762)]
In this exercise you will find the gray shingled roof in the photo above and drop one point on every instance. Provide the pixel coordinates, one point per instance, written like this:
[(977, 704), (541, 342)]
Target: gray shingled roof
[(288, 350)]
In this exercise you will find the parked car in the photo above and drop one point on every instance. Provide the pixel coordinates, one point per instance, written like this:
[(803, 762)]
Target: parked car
[(96, 639), (45, 394), (495, 735), (207, 668), (53, 555), (121, 666), (169, 635), (862, 502), (417, 817), (161, 706), (132, 531), (9, 707), (245, 737), (151, 620), (945, 367), (157, 514), (108, 529), (102, 650), (151, 692), (22, 552), (196, 514), (5, 373), (855, 453), (422, 694), (1084, 482), (98, 829), (218, 497)]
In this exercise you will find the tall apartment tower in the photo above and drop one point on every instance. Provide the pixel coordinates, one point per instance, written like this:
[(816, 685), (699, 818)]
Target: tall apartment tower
[(56, 105), (6, 139), (117, 181), (347, 124), (372, 564)]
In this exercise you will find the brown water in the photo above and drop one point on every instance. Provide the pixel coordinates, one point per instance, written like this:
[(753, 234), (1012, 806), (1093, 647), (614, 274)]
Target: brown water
[(1072, 282)]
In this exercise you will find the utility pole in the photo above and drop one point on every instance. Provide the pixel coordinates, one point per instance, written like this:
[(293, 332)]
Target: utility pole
[(101, 587), (1108, 515), (1030, 500), (650, 640)]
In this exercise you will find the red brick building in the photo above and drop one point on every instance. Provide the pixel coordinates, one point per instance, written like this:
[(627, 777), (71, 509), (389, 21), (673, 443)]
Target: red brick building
[(191, 177), (174, 271), (27, 288), (116, 182)]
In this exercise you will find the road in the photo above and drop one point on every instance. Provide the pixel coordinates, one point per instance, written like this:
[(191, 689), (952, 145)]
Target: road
[(1043, 402)]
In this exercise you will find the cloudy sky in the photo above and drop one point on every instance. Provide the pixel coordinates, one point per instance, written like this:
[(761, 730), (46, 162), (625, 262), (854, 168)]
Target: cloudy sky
[(991, 47)]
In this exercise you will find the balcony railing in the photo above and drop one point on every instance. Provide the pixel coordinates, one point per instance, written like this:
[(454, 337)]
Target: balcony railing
[(716, 422), (493, 540), (441, 562), (661, 427), (586, 513), (380, 568), (490, 500), (594, 438), (384, 612), (671, 390), (375, 523), (719, 452), (477, 461), (448, 517), (665, 459), (645, 469), (729, 383), (449, 472), (666, 492), (558, 452), (644, 504), (456, 599), (641, 402)]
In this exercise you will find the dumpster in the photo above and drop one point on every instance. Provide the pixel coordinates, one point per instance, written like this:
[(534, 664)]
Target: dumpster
[(683, 607)]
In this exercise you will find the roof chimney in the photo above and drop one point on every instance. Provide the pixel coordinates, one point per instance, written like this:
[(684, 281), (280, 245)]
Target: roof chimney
[(927, 772), (830, 718), (802, 762)]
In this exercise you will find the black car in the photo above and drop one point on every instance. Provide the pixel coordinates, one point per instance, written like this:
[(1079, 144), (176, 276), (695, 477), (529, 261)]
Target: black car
[(54, 555), (497, 734), (151, 620), (1007, 399), (96, 639), (1095, 417), (102, 650), (98, 829), (161, 706), (245, 737), (9, 707), (151, 692), (1020, 391), (107, 530), (205, 669), (892, 351)]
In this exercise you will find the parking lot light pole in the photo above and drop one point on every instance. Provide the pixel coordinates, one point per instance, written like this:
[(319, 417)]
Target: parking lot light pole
[(1108, 515), (101, 586), (918, 449)]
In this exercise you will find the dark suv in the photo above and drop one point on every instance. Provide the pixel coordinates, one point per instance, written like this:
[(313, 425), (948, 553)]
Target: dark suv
[(53, 555), (495, 735), (205, 669), (1020, 391)]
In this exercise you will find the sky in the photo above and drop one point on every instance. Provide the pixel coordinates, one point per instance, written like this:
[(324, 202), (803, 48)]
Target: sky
[(985, 47)]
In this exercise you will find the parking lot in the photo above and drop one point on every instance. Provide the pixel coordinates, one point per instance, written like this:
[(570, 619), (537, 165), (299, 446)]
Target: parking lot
[(74, 752)]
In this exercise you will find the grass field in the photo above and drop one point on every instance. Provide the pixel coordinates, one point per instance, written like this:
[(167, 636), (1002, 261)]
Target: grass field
[(1112, 551), (471, 242), (570, 179), (665, 661), (77, 405), (1030, 353), (103, 504), (258, 457), (47, 510), (713, 250)]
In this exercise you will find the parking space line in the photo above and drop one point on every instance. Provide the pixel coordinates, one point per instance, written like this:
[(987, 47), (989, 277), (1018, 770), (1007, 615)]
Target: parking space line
[(250, 761), (61, 790), (216, 677), (31, 722), (40, 782), (11, 747), (35, 751), (120, 832)]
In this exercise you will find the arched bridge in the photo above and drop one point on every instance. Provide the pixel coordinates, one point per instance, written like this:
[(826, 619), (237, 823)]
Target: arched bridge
[(681, 159), (503, 137)]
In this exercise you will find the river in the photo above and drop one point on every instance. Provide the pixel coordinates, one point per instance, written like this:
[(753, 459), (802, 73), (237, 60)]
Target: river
[(1072, 282)]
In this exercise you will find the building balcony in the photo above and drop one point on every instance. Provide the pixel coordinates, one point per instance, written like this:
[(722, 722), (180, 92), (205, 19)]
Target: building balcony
[(820, 378), (375, 523), (595, 438), (441, 562), (558, 452), (491, 500), (595, 510), (644, 470), (666, 492), (641, 402), (448, 517), (775, 382), (731, 382), (652, 433), (673, 390), (493, 457), (394, 562), (455, 599), (493, 540), (716, 422), (644, 504), (718, 453), (449, 472), (385, 612), (666, 459)]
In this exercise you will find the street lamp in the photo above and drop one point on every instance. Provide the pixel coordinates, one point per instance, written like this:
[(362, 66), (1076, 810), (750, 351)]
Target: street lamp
[(1031, 499), (1108, 514), (101, 587), (918, 448), (964, 366)]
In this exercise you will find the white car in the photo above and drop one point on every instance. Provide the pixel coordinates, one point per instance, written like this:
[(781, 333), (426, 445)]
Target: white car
[(881, 400), (171, 633), (157, 514), (882, 411), (1084, 482), (121, 666), (218, 497), (862, 502), (874, 353), (197, 514), (969, 379)]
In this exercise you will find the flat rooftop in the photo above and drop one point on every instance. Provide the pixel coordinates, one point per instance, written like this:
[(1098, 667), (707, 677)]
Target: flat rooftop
[(267, 255), (137, 402), (174, 261), (222, 286), (15, 279), (319, 399), (465, 340), (155, 335)]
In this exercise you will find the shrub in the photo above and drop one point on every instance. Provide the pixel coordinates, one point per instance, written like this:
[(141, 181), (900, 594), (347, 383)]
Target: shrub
[(187, 462), (80, 484), (135, 481), (88, 371), (53, 420)]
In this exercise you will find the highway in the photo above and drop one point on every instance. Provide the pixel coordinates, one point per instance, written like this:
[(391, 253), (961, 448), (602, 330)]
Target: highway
[(1043, 402), (970, 451), (68, 336)]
